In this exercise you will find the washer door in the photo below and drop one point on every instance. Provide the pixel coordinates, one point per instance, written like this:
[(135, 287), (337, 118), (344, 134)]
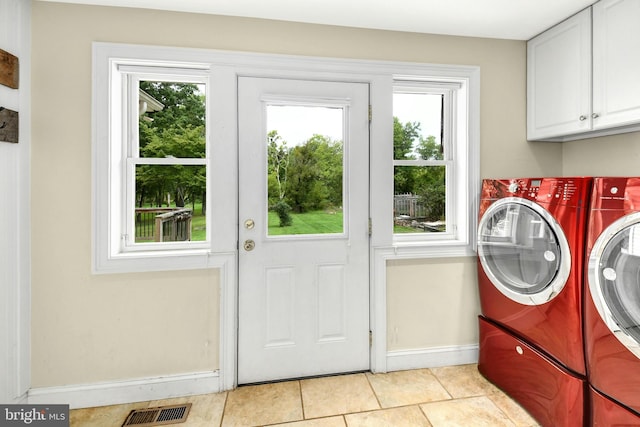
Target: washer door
[(523, 251), (614, 279)]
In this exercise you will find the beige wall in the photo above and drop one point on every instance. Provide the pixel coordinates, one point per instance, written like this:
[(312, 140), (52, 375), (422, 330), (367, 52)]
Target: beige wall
[(617, 155), (101, 328), (431, 303)]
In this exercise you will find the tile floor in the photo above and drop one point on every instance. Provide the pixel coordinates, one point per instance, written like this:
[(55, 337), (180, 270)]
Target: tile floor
[(447, 396)]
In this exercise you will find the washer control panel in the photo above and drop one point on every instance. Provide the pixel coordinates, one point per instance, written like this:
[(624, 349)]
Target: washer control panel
[(542, 190)]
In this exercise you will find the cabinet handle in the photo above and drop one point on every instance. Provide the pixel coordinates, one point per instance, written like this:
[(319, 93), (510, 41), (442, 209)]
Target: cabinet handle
[(595, 115), (583, 118)]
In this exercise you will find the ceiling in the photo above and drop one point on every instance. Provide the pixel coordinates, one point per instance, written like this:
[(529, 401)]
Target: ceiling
[(504, 19)]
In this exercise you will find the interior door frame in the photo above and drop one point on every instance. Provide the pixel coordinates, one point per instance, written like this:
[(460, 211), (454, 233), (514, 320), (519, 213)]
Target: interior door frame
[(380, 76), (379, 94)]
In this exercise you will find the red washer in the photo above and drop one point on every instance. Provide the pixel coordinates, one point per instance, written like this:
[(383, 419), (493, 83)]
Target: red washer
[(612, 296), (553, 396), (530, 262), (607, 413)]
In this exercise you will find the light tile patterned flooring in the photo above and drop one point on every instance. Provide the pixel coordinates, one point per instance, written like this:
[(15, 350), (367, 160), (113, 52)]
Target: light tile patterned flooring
[(438, 397)]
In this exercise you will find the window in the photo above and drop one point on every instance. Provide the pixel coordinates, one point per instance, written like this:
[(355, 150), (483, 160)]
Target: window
[(422, 159), (434, 167), (166, 172), (155, 166)]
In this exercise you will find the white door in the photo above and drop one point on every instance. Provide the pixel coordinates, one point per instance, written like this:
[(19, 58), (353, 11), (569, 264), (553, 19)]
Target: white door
[(304, 287)]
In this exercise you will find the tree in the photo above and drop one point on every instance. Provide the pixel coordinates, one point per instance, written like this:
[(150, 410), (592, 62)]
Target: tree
[(329, 157), (427, 182), (430, 181), (404, 136), (183, 104), (429, 149), (178, 130), (314, 175), (278, 156)]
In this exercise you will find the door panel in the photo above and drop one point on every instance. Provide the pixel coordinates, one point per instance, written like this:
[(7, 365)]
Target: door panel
[(303, 287)]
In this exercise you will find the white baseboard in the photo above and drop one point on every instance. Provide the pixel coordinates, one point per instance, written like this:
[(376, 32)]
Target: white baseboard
[(129, 391), (431, 357)]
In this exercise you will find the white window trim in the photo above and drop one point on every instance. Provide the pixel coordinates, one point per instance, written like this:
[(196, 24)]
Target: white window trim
[(224, 68), (462, 178), (110, 62)]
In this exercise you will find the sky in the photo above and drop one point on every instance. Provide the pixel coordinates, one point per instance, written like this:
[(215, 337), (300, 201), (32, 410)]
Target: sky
[(296, 124)]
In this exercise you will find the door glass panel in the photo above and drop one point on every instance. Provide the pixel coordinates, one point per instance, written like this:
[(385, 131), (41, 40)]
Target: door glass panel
[(520, 249), (619, 279), (305, 158)]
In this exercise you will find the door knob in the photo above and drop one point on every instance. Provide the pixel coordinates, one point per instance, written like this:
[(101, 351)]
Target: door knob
[(249, 224), (249, 245)]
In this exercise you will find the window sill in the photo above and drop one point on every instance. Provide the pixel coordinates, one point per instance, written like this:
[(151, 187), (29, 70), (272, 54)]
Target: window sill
[(415, 250), (140, 262)]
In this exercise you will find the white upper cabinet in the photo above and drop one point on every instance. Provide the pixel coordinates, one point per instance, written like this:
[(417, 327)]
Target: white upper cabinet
[(583, 75), (616, 63), (559, 79)]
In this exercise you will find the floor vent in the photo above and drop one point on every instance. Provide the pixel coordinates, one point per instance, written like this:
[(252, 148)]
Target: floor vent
[(159, 416)]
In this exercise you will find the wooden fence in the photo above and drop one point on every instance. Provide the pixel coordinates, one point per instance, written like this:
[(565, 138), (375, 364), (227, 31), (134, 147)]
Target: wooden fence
[(408, 205), (163, 224)]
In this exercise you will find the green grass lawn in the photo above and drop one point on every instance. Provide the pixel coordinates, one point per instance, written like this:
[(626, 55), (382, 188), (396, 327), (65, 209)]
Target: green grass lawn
[(198, 226), (315, 222)]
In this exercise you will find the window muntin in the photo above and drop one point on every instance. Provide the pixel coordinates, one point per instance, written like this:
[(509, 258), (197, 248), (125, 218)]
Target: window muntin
[(423, 160)]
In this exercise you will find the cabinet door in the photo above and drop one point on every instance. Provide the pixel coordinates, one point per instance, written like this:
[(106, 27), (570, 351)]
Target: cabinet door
[(616, 63), (559, 79)]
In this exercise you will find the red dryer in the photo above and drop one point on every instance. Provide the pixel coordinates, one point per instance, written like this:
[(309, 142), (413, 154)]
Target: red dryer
[(531, 238), (612, 301)]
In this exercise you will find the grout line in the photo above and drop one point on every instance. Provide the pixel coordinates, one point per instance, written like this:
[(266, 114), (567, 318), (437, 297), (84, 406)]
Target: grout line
[(373, 390), (443, 386), (304, 416), (425, 414), (224, 407)]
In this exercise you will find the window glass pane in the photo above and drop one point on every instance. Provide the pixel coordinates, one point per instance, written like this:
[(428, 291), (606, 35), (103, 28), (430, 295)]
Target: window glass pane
[(305, 169), (170, 203), (419, 199), (417, 126), (172, 120)]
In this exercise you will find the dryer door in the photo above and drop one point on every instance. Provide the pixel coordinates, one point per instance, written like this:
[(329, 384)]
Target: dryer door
[(614, 279), (523, 251)]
